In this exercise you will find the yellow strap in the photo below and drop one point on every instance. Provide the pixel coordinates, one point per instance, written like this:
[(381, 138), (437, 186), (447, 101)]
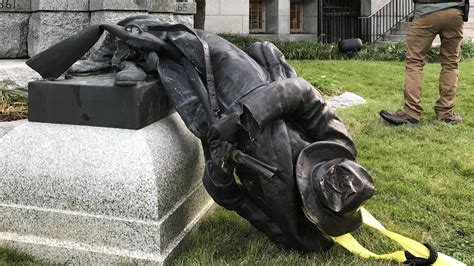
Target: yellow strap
[(412, 246)]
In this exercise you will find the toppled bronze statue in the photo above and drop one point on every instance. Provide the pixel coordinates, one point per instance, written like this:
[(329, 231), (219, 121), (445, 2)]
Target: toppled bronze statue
[(275, 153)]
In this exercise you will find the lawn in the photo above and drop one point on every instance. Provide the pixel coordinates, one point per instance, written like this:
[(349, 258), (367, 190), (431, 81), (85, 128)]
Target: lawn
[(424, 175)]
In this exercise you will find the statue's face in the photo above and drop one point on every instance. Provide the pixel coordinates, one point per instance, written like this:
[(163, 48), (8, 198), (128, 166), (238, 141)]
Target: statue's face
[(339, 183)]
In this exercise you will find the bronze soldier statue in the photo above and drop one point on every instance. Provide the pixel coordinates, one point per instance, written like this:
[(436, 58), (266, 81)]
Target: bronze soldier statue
[(275, 153)]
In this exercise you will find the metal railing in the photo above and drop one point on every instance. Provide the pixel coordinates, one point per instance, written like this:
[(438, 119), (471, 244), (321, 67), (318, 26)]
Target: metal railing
[(375, 26), (340, 19)]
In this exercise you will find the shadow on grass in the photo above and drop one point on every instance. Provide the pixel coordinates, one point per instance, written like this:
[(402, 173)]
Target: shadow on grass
[(12, 257)]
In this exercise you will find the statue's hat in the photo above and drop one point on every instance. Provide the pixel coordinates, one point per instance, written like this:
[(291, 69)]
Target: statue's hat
[(332, 187)]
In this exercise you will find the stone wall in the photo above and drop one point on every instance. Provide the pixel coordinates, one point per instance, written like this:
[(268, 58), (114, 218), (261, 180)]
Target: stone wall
[(369, 7), (30, 26), (227, 16)]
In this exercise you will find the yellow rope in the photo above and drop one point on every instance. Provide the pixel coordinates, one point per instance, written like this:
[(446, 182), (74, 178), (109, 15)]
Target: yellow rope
[(410, 245)]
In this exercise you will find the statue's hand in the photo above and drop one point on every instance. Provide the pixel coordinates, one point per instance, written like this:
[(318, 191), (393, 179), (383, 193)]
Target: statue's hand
[(221, 155), (226, 127)]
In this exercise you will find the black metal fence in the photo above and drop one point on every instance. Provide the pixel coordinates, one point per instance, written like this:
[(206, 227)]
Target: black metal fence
[(341, 19)]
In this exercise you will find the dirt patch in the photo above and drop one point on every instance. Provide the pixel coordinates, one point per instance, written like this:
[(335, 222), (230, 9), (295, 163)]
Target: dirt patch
[(12, 116)]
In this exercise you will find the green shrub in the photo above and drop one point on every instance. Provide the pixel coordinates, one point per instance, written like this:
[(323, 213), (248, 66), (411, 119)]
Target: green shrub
[(312, 50), (241, 41)]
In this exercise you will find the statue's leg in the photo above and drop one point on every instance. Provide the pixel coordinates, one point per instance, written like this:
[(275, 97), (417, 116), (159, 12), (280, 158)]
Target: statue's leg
[(98, 61), (272, 59)]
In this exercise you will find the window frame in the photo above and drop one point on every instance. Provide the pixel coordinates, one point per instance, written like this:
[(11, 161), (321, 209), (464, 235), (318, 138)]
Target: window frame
[(301, 12), (262, 14)]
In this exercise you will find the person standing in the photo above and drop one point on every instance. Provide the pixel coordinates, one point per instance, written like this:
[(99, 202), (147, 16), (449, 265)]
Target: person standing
[(432, 17)]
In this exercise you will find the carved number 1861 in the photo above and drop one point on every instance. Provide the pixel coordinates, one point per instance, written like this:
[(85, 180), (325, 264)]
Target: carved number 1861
[(7, 4)]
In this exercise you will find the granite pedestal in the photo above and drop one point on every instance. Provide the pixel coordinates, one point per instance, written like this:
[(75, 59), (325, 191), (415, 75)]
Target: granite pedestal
[(97, 195), (81, 194)]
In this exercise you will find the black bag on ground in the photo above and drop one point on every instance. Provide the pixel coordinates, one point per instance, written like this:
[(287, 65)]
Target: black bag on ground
[(465, 16)]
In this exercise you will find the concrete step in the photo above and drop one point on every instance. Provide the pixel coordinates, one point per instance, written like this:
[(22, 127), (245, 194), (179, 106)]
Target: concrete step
[(403, 38), (401, 28), (394, 38)]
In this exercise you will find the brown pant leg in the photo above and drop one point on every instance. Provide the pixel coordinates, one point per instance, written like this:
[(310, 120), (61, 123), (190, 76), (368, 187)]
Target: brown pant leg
[(451, 36), (422, 32)]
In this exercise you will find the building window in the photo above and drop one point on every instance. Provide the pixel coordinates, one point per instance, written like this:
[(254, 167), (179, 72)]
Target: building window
[(296, 16), (257, 16)]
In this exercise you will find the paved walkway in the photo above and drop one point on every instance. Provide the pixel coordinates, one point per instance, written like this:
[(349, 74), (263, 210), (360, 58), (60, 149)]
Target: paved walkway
[(16, 73)]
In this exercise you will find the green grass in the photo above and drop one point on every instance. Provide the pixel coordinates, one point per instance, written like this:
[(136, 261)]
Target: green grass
[(424, 175), (10, 257)]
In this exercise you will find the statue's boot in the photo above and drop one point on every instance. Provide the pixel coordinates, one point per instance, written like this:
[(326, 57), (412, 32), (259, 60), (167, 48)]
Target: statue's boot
[(88, 67), (99, 61), (129, 75)]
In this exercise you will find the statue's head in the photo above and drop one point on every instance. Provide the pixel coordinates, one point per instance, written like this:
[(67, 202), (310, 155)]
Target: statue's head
[(332, 187)]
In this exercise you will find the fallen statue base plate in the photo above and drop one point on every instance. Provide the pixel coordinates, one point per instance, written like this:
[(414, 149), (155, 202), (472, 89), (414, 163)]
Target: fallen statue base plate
[(96, 101)]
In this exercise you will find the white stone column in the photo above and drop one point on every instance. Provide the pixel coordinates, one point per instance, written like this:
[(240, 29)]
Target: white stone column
[(310, 16), (223, 16), (278, 18)]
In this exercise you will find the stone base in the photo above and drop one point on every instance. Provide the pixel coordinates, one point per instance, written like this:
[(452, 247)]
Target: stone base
[(88, 195), (16, 73), (47, 28), (96, 101), (13, 35)]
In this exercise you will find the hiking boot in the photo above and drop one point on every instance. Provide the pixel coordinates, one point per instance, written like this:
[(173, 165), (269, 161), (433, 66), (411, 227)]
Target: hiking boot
[(398, 118), (453, 119)]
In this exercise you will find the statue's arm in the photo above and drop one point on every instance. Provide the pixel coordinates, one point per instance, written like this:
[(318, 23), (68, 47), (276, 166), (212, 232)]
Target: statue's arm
[(228, 194)]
